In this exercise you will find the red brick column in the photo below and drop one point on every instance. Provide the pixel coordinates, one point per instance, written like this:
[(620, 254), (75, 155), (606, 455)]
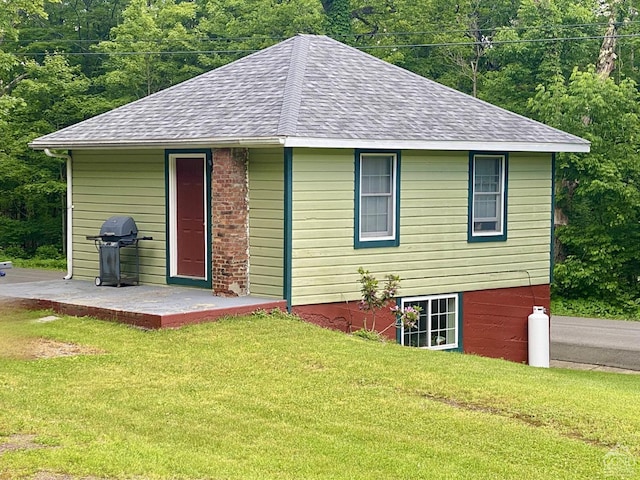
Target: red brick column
[(230, 222)]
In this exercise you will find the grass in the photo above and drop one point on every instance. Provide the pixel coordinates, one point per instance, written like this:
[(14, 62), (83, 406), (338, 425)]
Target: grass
[(40, 263), (270, 397), (595, 308)]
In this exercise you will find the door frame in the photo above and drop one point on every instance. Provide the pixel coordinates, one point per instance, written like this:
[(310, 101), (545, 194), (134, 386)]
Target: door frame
[(171, 227)]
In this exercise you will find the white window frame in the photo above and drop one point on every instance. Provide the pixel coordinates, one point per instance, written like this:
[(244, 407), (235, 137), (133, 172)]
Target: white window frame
[(501, 193), (429, 299), (368, 237)]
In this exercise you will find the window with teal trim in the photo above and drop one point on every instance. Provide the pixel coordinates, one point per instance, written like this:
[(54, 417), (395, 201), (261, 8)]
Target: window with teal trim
[(487, 204), (377, 193), (437, 325)]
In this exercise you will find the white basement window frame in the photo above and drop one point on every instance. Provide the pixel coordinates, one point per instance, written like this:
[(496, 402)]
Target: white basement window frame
[(438, 327)]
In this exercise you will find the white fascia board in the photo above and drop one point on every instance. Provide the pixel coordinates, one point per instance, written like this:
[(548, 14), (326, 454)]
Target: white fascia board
[(438, 145), (169, 144)]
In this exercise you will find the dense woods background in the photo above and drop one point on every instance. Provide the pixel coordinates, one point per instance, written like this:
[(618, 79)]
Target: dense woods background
[(569, 63)]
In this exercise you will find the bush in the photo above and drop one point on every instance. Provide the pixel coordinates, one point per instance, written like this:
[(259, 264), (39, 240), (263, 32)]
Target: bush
[(45, 252), (596, 308), (13, 251)]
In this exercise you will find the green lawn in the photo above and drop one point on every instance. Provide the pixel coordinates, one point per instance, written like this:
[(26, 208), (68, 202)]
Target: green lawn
[(270, 397)]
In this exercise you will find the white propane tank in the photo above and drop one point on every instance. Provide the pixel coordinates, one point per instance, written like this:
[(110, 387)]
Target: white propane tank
[(539, 338)]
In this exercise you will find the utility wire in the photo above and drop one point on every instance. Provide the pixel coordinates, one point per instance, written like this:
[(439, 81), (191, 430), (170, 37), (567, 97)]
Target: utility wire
[(353, 35), (487, 43)]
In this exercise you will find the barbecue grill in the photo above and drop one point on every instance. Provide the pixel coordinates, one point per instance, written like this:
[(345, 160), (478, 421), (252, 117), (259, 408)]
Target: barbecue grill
[(118, 268)]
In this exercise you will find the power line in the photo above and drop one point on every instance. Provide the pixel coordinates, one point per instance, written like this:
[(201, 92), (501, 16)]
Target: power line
[(500, 42), (487, 43), (352, 35)]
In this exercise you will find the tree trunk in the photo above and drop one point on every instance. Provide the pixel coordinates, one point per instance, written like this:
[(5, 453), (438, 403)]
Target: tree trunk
[(607, 56)]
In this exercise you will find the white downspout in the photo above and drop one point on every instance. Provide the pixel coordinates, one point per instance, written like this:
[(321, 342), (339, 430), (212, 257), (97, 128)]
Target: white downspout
[(69, 239)]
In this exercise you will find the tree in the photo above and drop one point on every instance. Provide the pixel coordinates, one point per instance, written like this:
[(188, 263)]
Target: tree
[(230, 29), (338, 14), (598, 192), (51, 96), (151, 49), (530, 50)]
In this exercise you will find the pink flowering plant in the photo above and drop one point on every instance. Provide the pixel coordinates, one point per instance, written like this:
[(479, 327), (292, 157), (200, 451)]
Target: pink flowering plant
[(409, 316), (374, 299)]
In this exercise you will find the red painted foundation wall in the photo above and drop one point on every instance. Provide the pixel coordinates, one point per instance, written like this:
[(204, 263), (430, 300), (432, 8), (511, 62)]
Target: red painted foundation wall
[(495, 321), (347, 317)]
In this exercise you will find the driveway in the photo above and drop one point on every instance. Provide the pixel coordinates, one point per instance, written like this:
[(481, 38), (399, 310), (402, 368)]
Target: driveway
[(614, 343), (23, 275)]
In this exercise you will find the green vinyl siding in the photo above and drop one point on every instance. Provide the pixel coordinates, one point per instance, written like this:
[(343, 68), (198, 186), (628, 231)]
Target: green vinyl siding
[(434, 255), (266, 222), (107, 183)]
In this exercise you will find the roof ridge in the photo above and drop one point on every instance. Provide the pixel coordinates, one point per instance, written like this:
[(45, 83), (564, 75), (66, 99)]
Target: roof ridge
[(292, 97)]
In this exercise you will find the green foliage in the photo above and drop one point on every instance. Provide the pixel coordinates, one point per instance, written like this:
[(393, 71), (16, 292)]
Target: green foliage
[(49, 96), (149, 30), (595, 308), (374, 299), (338, 18), (371, 335), (598, 192), (522, 59), (40, 263)]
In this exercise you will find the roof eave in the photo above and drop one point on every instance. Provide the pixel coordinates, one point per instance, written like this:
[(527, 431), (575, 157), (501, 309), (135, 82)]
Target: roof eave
[(157, 143), (314, 142), (446, 145)]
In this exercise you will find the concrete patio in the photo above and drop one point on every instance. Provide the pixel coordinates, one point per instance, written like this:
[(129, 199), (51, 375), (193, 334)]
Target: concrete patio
[(143, 305)]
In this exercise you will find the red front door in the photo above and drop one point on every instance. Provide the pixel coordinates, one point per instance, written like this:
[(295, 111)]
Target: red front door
[(190, 218)]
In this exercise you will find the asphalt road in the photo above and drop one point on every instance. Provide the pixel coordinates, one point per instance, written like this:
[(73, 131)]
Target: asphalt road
[(614, 343), (22, 275)]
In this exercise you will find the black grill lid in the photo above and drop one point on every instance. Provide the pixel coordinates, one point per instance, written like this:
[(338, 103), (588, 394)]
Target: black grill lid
[(119, 226)]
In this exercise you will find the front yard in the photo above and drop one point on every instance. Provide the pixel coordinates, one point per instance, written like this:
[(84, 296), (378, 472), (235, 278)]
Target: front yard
[(268, 396)]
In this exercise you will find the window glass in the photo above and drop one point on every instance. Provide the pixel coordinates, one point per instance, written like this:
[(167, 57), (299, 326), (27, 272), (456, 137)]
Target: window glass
[(488, 195), (377, 196), (437, 327)]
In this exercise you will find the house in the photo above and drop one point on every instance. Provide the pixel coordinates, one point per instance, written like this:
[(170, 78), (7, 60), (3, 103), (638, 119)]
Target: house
[(283, 172)]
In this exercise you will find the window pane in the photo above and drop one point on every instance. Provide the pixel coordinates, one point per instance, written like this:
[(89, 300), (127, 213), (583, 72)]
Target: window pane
[(487, 174), (376, 174), (377, 196), (486, 206), (418, 336), (437, 324), (376, 213), (488, 194)]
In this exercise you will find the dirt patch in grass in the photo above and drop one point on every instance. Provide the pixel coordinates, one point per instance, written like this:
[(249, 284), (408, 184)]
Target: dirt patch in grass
[(60, 476), (43, 348), (27, 442), (18, 442), (528, 419)]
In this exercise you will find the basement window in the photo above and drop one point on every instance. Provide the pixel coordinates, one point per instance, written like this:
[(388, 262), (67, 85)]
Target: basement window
[(437, 327)]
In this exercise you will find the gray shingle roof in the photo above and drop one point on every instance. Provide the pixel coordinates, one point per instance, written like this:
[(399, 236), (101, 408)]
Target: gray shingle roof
[(313, 91)]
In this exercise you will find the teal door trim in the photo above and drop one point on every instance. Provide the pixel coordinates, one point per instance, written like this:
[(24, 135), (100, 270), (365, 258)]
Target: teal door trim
[(173, 279)]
